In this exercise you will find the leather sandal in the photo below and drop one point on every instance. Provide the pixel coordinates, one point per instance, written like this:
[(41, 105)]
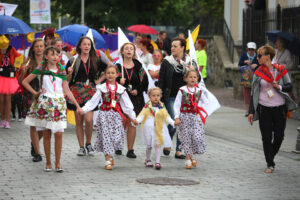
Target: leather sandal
[(108, 165), (188, 164), (194, 162), (112, 161), (269, 170)]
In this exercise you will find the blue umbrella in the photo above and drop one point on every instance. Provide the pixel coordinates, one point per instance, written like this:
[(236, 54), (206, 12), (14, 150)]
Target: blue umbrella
[(72, 33), (12, 25), (293, 43)]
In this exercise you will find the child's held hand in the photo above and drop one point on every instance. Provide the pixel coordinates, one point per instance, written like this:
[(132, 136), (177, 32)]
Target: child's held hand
[(135, 122), (79, 111), (177, 122)]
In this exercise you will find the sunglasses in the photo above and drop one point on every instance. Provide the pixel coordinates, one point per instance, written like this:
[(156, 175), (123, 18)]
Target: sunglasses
[(251, 49), (59, 45)]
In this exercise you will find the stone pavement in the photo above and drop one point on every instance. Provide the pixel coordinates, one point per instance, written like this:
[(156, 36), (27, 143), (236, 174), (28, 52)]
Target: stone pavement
[(232, 168)]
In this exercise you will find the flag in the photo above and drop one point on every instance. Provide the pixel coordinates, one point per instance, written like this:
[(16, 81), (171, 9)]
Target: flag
[(210, 103), (71, 117), (194, 36), (89, 34), (7, 8), (193, 56)]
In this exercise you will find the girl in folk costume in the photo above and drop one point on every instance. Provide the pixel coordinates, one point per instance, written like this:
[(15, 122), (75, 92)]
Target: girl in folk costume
[(135, 80), (154, 119), (35, 58), (48, 112), (8, 80), (82, 75), (110, 130), (191, 118)]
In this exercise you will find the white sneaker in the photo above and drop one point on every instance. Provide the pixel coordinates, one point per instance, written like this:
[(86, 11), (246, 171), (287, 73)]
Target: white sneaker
[(90, 150), (13, 119), (20, 120), (81, 152)]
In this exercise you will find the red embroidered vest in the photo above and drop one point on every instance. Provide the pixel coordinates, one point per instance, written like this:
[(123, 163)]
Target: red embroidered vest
[(188, 100), (106, 101)]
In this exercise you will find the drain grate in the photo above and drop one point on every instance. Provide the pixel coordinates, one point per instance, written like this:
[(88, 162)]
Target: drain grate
[(167, 181)]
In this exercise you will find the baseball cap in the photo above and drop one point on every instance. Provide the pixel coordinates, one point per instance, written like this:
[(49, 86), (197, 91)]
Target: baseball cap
[(251, 45)]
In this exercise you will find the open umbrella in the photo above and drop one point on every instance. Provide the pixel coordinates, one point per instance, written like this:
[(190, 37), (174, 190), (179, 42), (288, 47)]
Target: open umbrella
[(293, 43), (72, 33), (141, 28), (13, 25)]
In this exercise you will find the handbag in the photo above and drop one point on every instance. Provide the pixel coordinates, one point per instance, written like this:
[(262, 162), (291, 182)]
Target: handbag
[(246, 76)]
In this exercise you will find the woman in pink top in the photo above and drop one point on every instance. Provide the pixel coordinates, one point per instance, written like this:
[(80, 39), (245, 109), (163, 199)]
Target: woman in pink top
[(270, 102)]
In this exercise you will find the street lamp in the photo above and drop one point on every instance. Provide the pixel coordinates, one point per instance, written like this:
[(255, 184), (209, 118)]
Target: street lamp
[(82, 12)]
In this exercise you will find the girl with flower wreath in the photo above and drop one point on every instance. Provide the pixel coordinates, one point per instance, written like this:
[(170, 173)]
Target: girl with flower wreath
[(110, 129), (48, 112), (154, 119)]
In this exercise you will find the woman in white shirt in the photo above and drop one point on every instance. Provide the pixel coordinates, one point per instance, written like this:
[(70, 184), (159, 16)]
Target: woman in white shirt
[(147, 49)]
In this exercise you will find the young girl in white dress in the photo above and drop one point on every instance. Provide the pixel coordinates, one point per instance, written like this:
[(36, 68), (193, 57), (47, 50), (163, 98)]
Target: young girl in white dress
[(191, 117), (110, 130), (154, 119), (48, 111)]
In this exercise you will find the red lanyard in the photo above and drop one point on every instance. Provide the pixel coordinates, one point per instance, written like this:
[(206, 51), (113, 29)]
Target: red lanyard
[(87, 70), (53, 82), (129, 77), (112, 92)]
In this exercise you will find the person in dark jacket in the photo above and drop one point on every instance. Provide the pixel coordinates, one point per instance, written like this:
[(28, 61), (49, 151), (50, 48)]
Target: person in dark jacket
[(163, 43), (171, 79), (248, 63)]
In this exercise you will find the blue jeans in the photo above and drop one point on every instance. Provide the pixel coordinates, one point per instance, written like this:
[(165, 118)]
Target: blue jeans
[(170, 108)]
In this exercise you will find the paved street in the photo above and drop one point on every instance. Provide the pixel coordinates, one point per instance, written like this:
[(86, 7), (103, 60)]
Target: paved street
[(232, 168)]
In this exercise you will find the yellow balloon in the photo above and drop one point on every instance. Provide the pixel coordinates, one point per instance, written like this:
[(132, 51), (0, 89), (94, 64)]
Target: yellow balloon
[(4, 42), (30, 37)]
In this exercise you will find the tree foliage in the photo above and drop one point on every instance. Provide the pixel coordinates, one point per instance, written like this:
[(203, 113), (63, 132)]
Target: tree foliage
[(114, 13)]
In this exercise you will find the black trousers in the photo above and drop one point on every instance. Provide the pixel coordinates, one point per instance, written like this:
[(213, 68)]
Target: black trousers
[(272, 121), (16, 100)]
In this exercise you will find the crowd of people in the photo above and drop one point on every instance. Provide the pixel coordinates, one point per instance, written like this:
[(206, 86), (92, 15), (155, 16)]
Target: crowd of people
[(51, 81)]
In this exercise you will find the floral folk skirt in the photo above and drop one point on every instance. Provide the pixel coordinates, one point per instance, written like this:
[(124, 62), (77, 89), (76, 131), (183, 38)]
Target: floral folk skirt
[(110, 132), (191, 134), (82, 94), (49, 113)]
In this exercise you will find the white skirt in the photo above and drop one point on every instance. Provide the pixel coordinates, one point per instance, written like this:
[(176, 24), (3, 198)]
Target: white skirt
[(149, 135)]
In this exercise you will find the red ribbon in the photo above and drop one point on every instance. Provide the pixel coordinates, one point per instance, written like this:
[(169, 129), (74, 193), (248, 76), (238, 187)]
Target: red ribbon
[(199, 111), (118, 109)]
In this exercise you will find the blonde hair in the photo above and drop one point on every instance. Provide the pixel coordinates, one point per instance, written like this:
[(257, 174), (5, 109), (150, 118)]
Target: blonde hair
[(153, 89), (267, 50), (190, 71), (123, 46)]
